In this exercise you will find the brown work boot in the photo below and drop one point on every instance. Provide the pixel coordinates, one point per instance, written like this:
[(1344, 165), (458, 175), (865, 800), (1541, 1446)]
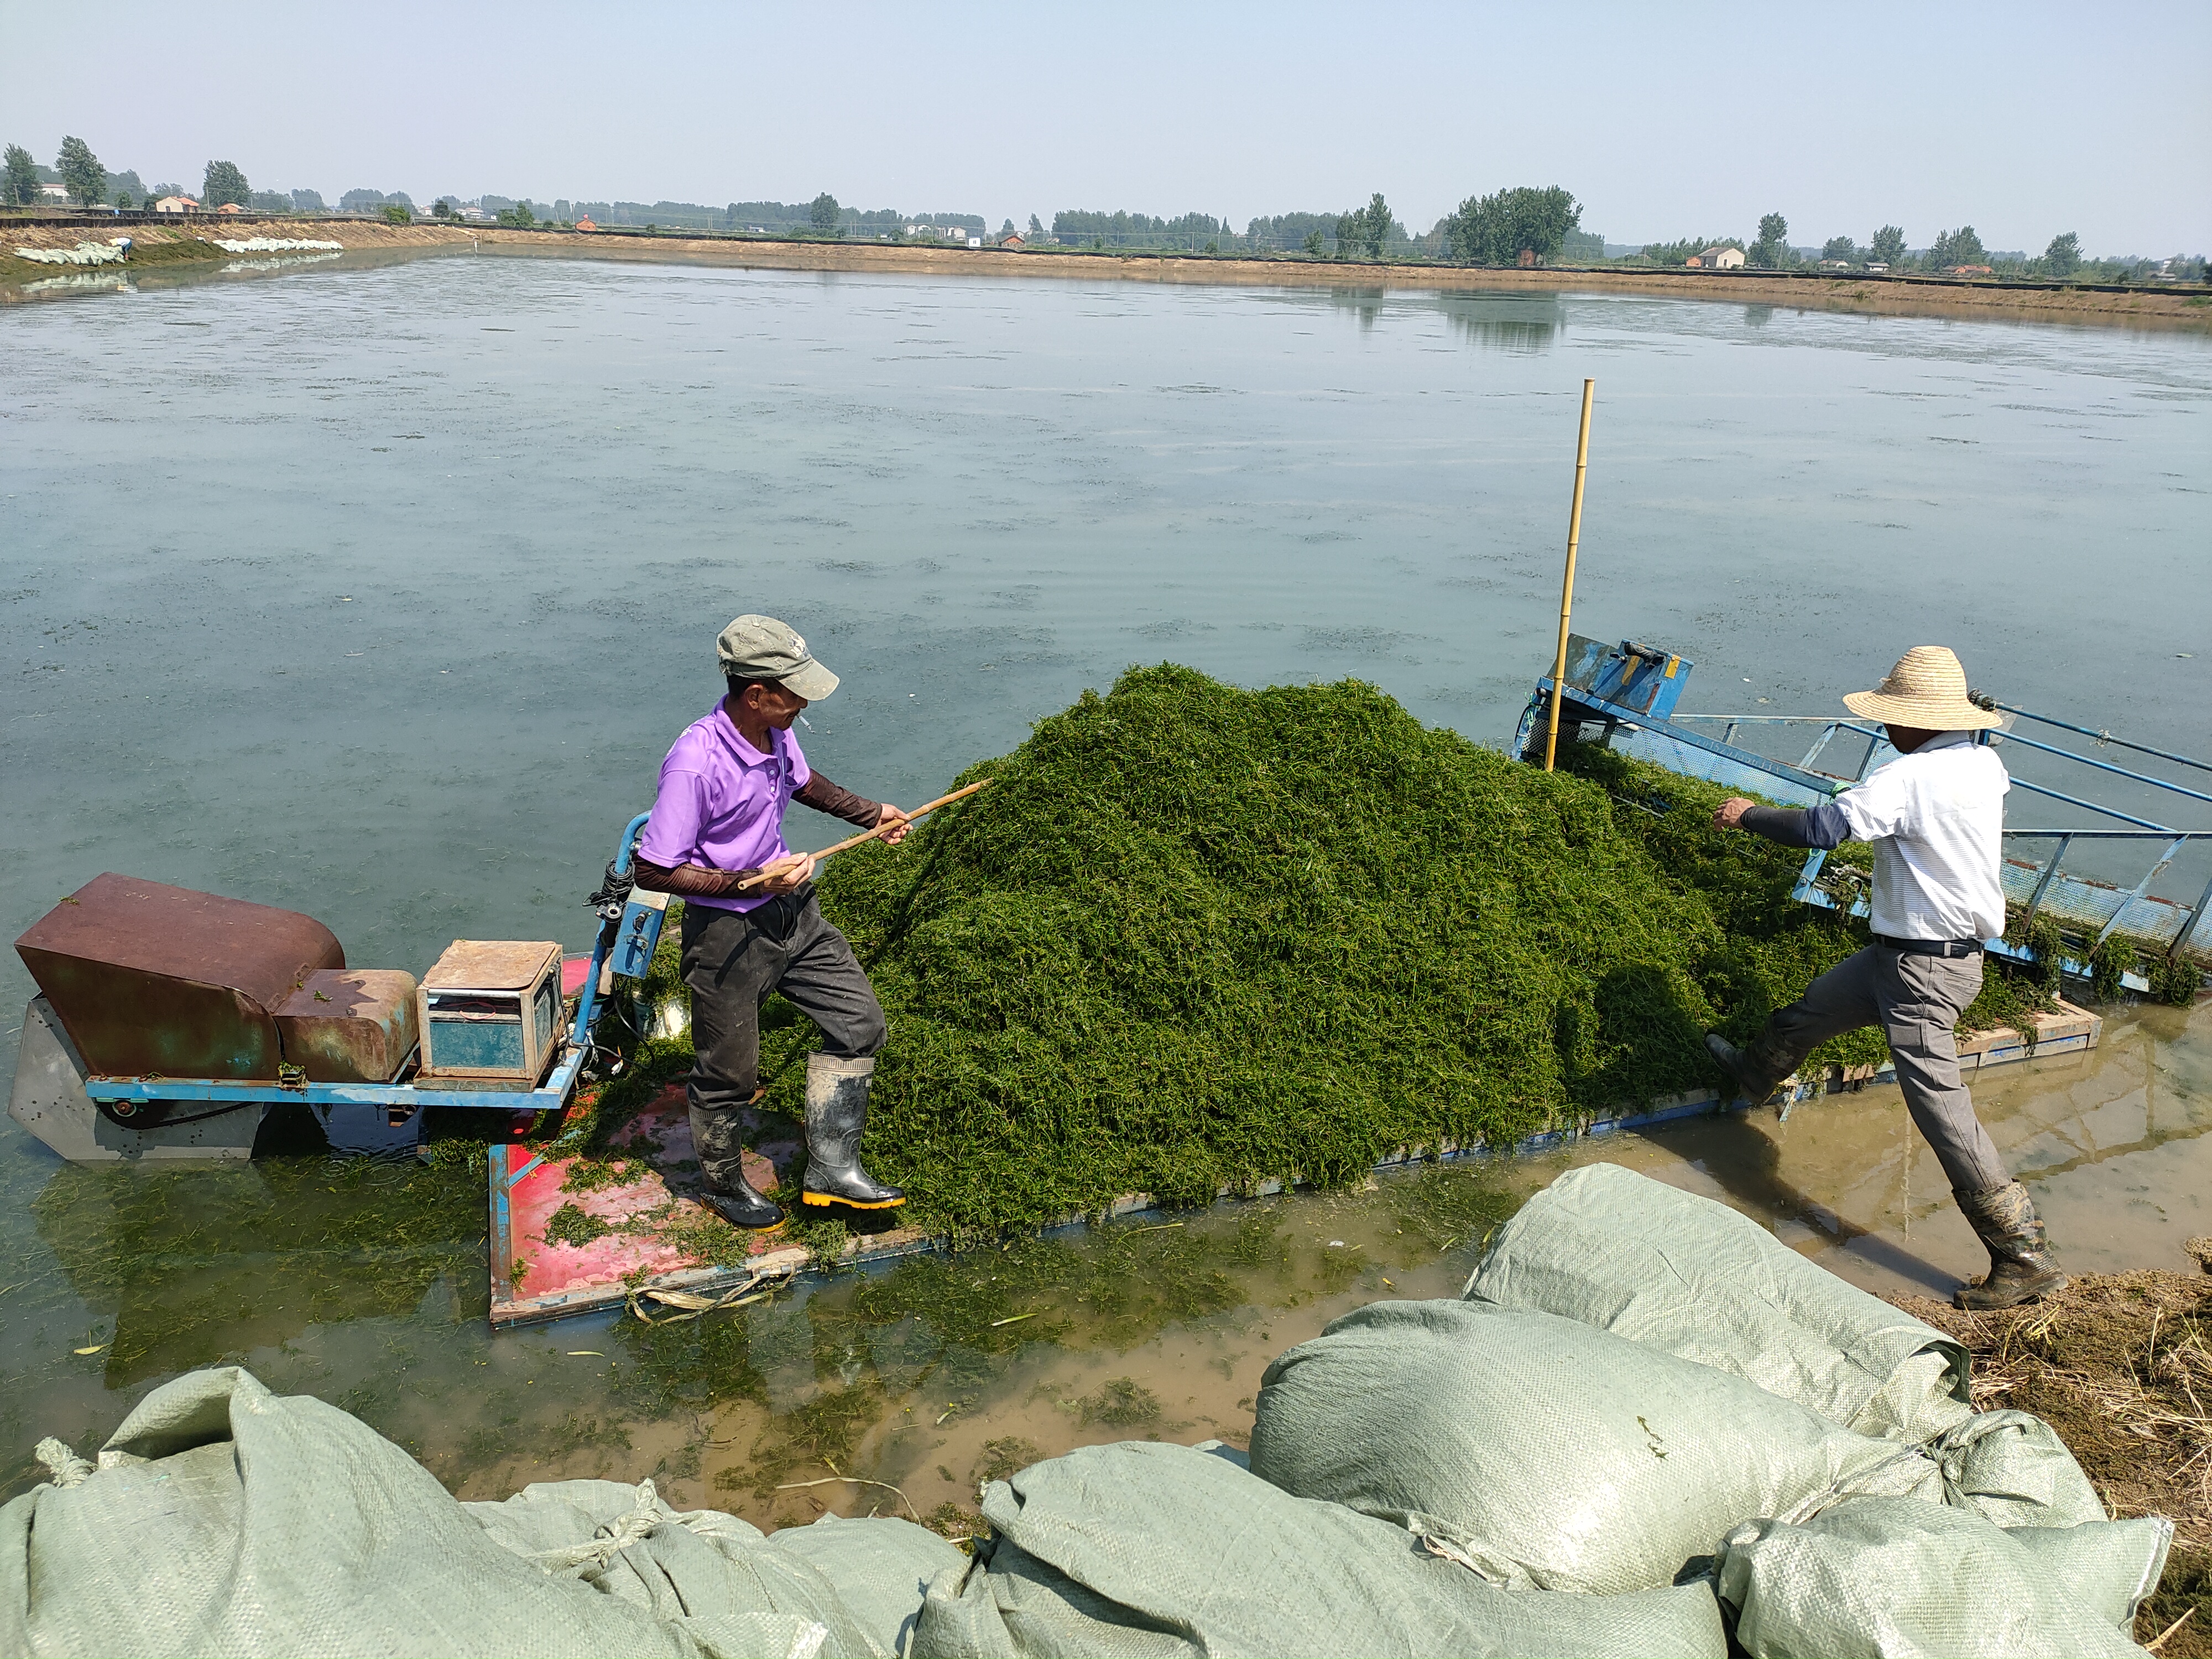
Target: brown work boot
[(2022, 1266)]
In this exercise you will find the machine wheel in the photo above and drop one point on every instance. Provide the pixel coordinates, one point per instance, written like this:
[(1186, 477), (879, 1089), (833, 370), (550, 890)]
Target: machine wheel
[(143, 1115), (135, 1113)]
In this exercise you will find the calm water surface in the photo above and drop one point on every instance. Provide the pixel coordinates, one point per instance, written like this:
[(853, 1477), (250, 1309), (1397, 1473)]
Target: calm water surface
[(379, 593)]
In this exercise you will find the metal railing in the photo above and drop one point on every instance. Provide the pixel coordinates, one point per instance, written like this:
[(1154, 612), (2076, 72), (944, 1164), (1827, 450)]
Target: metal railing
[(2143, 830)]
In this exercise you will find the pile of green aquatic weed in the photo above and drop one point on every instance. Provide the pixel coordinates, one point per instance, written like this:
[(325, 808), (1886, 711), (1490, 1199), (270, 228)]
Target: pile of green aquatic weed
[(1195, 936), (1776, 946)]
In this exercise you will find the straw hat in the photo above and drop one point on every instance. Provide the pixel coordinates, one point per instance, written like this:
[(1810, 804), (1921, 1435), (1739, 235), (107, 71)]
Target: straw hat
[(1926, 690)]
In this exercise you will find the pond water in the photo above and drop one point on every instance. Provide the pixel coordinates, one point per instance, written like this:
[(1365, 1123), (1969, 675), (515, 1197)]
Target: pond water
[(378, 593)]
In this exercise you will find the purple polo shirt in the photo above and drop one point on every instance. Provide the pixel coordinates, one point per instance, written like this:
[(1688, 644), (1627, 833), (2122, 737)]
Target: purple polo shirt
[(720, 802)]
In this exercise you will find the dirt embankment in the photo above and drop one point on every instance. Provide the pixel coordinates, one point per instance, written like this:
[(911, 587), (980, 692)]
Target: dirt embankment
[(2120, 1364), (166, 244)]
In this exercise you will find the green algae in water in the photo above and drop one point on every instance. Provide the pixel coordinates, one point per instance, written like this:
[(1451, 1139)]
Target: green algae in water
[(1119, 1402)]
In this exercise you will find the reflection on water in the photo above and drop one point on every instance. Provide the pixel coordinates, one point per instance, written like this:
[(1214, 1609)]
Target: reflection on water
[(1514, 323), (84, 283), (399, 577), (1519, 324)]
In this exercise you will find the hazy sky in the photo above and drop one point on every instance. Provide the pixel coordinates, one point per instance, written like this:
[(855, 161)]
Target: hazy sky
[(2022, 118)]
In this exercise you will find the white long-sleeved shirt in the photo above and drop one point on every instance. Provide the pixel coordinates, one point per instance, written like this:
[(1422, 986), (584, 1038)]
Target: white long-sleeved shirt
[(1936, 819)]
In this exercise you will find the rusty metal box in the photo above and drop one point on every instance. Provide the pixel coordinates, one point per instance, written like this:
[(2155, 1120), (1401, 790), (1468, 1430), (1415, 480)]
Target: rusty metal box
[(490, 1009), (351, 1025), (151, 979)]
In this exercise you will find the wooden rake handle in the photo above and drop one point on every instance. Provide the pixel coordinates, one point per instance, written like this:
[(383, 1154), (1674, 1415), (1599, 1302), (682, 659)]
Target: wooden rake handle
[(851, 841)]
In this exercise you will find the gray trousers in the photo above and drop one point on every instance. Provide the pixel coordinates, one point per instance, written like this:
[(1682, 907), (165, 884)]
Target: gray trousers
[(1917, 1001), (730, 963)]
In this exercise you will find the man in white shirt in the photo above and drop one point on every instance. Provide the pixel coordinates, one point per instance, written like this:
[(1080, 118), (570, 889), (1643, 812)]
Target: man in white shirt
[(1935, 815)]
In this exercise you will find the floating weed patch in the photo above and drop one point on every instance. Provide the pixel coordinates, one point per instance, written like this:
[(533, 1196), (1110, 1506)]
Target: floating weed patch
[(1001, 1458), (823, 1431), (1119, 1402), (1443, 1208)]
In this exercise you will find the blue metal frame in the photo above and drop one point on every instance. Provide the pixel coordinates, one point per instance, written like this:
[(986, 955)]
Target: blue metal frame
[(547, 1095), (1666, 742), (1727, 763)]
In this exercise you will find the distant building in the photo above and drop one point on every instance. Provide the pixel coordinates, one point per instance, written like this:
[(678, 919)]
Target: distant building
[(975, 242), (1835, 265), (176, 205), (1877, 267), (1717, 258), (230, 207), (1971, 270), (1527, 258), (1013, 241), (584, 223), (53, 193)]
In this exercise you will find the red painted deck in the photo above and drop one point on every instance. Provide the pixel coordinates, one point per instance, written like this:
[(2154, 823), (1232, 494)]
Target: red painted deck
[(534, 1279)]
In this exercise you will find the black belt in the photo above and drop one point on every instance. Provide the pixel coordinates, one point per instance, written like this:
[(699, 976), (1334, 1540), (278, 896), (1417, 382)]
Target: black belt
[(1930, 947)]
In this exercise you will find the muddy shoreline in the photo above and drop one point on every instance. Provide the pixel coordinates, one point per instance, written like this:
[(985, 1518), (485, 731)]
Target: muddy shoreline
[(171, 247)]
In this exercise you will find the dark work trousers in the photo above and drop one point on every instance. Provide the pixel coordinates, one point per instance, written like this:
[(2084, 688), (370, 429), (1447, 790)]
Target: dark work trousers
[(732, 961), (1917, 1001)]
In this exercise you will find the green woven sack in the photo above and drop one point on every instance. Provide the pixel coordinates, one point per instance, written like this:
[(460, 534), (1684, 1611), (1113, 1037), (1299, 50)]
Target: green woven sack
[(1694, 1278), (1886, 1578), (1549, 1453), (1144, 1551), (221, 1518), (880, 1566)]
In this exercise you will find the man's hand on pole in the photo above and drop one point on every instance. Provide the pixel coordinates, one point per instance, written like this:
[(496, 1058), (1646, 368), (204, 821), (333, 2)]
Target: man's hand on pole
[(1731, 812), (892, 816), (787, 875)]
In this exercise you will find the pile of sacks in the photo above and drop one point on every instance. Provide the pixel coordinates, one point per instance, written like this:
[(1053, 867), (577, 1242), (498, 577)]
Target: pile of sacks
[(1647, 1428)]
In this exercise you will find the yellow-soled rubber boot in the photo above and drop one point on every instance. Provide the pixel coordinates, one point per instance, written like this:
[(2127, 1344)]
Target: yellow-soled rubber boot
[(836, 1112)]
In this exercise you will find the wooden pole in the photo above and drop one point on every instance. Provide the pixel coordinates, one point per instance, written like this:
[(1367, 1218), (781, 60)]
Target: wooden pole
[(851, 841), (1567, 588)]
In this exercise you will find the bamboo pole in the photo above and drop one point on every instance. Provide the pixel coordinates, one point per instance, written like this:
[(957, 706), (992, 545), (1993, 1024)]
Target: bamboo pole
[(851, 841), (1567, 588)]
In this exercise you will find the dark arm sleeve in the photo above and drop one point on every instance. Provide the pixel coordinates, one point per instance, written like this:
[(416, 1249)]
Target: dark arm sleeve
[(1821, 826), (824, 796), (688, 880)]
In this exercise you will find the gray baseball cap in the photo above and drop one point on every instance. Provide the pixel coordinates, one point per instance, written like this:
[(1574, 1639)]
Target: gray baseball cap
[(762, 648)]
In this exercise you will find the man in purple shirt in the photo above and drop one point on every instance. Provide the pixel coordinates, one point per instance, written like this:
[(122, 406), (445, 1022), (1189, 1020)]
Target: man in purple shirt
[(751, 925)]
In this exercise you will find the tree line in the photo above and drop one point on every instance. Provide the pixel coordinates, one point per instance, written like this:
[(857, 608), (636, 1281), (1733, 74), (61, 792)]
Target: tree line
[(1955, 251), (1522, 224), (89, 184)]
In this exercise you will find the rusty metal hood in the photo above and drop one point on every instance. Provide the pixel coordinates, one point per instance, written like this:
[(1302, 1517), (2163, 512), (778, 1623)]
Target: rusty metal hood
[(149, 978)]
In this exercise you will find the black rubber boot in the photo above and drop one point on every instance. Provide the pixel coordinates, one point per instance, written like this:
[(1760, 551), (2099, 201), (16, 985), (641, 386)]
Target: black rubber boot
[(1757, 1088), (2021, 1265), (715, 1136), (836, 1112), (738, 1204)]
